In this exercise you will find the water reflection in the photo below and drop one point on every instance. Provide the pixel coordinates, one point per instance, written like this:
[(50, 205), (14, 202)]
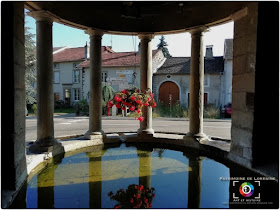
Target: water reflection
[(84, 180), (95, 178), (135, 196), (194, 189)]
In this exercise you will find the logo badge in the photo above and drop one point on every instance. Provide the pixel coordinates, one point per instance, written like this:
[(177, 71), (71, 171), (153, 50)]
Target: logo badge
[(246, 189)]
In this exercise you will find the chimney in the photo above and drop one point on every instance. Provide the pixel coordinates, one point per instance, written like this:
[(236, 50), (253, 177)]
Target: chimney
[(209, 51), (86, 51)]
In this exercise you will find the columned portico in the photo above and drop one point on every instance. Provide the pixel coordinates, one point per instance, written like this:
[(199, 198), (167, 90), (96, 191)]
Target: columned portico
[(196, 85), (44, 53), (146, 77), (95, 97)]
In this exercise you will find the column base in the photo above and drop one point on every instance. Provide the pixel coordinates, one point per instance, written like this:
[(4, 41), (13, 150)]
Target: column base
[(145, 133), (197, 137), (46, 145), (93, 135)]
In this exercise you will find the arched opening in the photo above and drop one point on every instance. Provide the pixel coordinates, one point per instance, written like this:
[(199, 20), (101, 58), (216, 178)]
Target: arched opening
[(169, 93)]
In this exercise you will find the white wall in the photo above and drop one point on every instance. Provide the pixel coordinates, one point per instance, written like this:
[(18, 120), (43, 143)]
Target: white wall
[(111, 73), (66, 79)]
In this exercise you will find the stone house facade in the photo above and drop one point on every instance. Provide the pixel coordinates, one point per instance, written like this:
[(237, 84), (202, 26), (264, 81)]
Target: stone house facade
[(68, 77), (171, 81), (120, 70)]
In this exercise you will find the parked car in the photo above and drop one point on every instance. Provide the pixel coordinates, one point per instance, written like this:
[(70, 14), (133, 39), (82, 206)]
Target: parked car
[(228, 110)]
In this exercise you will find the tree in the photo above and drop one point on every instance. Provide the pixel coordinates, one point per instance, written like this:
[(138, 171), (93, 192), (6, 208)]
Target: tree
[(30, 67), (163, 46)]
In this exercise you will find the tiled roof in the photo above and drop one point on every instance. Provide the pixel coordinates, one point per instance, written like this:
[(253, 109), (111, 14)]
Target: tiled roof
[(228, 49), (57, 48), (181, 65), (76, 54), (118, 59), (70, 54)]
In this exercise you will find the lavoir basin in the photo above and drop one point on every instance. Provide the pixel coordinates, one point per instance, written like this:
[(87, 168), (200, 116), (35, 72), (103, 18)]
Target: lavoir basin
[(135, 176)]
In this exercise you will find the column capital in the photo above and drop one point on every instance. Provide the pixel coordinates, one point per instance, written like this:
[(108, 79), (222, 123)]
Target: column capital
[(94, 32), (198, 30), (43, 16), (146, 36)]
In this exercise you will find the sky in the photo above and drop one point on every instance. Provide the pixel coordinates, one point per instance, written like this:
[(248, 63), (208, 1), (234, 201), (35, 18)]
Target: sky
[(179, 45)]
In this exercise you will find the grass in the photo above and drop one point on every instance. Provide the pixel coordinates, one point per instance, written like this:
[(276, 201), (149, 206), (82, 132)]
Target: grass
[(210, 111)]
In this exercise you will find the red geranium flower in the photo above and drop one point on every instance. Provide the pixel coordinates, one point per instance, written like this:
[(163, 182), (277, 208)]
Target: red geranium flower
[(118, 105), (141, 118), (138, 111), (124, 91), (132, 108), (154, 104), (132, 98), (123, 108), (131, 200), (117, 98), (141, 187), (117, 206), (137, 196), (146, 104), (138, 101)]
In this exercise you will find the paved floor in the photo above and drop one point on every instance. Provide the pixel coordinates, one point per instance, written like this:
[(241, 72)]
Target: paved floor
[(72, 125)]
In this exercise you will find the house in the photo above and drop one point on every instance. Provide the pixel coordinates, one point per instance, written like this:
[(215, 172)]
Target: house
[(68, 80), (120, 70), (227, 87), (171, 81)]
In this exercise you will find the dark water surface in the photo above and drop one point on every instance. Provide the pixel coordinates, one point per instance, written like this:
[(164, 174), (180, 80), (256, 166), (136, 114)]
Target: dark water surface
[(179, 180)]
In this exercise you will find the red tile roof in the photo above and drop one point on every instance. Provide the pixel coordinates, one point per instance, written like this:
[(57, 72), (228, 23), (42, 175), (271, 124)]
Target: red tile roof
[(118, 59), (76, 54), (70, 54)]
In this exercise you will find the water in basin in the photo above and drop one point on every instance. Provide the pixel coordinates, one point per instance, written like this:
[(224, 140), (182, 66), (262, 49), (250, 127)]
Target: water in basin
[(127, 177)]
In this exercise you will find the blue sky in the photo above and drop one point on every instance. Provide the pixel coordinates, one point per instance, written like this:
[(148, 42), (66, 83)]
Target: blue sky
[(178, 44)]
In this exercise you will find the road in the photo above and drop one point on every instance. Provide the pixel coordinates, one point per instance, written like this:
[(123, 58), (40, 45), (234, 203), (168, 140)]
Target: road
[(72, 125)]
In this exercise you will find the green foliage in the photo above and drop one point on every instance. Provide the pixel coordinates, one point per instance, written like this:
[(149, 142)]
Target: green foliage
[(83, 106), (34, 109), (163, 46), (175, 110), (210, 111), (30, 67), (108, 93)]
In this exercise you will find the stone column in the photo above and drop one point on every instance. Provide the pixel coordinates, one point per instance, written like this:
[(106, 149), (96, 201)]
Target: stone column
[(194, 183), (196, 86), (95, 98), (146, 81), (44, 53)]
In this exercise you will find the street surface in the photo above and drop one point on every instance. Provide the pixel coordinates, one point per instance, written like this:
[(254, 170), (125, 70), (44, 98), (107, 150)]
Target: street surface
[(71, 125)]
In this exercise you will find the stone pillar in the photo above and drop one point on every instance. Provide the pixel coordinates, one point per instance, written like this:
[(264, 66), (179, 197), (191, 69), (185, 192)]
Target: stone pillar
[(44, 53), (194, 183), (13, 136), (146, 81), (95, 97), (196, 86), (95, 178)]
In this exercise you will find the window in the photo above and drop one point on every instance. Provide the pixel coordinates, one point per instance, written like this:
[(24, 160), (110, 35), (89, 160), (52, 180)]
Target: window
[(76, 76), (76, 94), (104, 76), (206, 80), (56, 65), (56, 77)]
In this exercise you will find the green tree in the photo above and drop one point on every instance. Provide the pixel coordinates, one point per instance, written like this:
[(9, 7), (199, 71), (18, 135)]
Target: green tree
[(163, 46), (108, 93), (30, 66)]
